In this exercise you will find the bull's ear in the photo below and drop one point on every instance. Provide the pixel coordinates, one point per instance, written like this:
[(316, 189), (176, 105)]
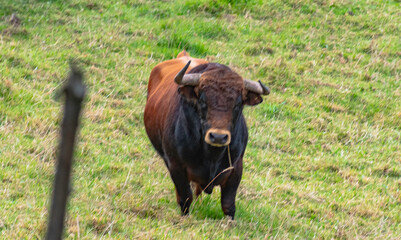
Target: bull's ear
[(188, 92), (253, 99)]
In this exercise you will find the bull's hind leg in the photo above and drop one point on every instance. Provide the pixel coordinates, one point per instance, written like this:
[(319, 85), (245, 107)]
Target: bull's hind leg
[(182, 188), (229, 190)]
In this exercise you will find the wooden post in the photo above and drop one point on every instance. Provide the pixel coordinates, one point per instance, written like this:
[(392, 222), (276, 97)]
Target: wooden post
[(74, 91)]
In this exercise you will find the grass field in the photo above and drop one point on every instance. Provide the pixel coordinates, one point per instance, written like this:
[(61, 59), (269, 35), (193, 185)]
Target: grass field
[(324, 156)]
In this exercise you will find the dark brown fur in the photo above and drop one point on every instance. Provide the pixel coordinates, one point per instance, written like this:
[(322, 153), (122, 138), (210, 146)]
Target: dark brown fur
[(176, 122)]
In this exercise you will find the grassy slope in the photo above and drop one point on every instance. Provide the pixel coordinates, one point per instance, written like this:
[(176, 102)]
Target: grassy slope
[(324, 158)]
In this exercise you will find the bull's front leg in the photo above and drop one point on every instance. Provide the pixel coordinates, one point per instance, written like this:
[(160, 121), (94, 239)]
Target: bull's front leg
[(229, 189), (182, 188)]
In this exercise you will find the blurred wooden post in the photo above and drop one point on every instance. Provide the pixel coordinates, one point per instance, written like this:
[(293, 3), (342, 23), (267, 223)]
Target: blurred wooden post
[(74, 91)]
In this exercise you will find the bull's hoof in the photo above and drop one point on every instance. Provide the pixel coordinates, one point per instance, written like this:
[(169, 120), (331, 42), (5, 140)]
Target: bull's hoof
[(185, 212), (229, 210)]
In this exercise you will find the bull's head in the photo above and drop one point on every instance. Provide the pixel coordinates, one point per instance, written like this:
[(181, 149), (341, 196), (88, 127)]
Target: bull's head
[(219, 95)]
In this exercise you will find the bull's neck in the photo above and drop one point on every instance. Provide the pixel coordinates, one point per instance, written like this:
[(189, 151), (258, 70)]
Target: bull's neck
[(214, 154)]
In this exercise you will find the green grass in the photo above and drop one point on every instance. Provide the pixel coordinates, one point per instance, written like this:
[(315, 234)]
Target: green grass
[(324, 157)]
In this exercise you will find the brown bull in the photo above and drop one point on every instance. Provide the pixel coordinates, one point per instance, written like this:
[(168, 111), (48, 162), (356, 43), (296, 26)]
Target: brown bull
[(193, 119)]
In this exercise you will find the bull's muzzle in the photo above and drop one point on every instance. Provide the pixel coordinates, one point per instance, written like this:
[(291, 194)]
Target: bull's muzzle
[(218, 137)]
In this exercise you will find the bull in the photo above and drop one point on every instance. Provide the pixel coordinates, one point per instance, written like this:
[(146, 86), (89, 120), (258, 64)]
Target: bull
[(194, 121)]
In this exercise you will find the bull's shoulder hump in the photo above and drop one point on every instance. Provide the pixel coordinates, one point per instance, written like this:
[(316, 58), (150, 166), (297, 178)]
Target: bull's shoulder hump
[(162, 76), (173, 66), (162, 70), (194, 61)]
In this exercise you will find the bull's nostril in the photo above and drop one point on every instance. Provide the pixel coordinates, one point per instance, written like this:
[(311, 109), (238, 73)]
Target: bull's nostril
[(218, 138), (212, 138)]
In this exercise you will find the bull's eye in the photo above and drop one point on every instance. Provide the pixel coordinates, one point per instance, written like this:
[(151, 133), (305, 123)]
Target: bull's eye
[(202, 101), (238, 103), (237, 109), (202, 106)]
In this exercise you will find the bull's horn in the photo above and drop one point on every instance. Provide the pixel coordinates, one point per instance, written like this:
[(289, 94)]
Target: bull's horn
[(191, 79), (180, 74), (187, 79), (257, 87)]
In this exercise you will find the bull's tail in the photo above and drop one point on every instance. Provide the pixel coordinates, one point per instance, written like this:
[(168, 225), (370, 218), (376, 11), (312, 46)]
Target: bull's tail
[(183, 54)]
